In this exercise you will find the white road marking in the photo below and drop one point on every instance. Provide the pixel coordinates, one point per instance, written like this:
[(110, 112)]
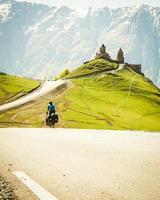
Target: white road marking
[(40, 192)]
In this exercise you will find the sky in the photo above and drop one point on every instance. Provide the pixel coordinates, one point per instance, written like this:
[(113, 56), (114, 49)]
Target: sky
[(97, 3)]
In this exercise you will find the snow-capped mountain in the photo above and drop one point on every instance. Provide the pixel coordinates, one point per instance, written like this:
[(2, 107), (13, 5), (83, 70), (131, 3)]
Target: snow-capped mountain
[(36, 40)]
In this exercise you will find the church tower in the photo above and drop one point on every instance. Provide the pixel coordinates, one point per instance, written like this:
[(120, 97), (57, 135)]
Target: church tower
[(120, 57), (102, 49)]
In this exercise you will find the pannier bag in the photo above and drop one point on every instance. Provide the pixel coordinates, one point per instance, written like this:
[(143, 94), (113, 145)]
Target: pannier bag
[(56, 118)]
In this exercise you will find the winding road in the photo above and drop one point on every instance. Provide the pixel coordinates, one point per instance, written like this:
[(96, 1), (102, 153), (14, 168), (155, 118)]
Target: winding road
[(46, 88)]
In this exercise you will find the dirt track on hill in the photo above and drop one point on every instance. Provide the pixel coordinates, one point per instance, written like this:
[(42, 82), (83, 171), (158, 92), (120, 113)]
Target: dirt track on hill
[(47, 87)]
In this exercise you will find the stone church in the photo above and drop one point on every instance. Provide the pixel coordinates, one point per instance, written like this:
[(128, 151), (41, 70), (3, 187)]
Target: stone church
[(103, 54), (119, 60)]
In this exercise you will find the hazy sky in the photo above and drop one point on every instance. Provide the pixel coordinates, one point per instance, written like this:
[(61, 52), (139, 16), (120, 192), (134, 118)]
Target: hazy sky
[(96, 3)]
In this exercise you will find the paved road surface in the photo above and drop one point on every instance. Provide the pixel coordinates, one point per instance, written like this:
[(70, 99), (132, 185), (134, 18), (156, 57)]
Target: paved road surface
[(83, 165), (47, 87)]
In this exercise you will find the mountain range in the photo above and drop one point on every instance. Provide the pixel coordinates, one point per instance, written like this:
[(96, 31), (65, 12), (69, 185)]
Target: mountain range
[(37, 40)]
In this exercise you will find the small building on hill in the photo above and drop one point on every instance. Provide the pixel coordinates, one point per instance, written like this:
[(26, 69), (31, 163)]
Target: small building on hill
[(120, 57), (103, 54), (136, 68), (119, 60)]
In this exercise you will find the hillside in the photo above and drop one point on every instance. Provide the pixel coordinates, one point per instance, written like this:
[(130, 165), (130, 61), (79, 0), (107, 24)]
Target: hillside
[(116, 99), (34, 35), (121, 100), (12, 87), (92, 68)]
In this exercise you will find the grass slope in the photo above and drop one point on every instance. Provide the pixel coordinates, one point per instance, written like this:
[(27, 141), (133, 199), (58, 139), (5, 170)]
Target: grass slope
[(92, 67), (32, 114), (125, 100), (12, 87)]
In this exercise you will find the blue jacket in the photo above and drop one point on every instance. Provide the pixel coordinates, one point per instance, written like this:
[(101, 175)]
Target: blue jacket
[(51, 107)]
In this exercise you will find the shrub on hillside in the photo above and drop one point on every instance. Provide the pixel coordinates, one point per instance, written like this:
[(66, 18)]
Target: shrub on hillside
[(2, 73), (55, 78), (63, 74)]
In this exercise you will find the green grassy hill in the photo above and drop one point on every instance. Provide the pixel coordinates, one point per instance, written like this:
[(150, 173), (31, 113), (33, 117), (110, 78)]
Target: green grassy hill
[(92, 68), (124, 100), (96, 99), (12, 87)]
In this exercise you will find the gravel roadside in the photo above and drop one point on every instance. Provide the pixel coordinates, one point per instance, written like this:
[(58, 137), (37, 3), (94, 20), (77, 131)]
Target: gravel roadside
[(6, 191)]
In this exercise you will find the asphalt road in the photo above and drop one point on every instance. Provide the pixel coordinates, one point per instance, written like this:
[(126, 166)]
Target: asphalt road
[(83, 165), (46, 88)]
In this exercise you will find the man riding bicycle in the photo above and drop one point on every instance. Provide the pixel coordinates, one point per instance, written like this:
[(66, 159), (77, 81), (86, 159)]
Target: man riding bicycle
[(51, 108), (52, 117)]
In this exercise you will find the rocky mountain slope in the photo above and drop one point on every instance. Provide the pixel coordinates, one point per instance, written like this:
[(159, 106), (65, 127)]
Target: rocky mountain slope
[(36, 40)]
